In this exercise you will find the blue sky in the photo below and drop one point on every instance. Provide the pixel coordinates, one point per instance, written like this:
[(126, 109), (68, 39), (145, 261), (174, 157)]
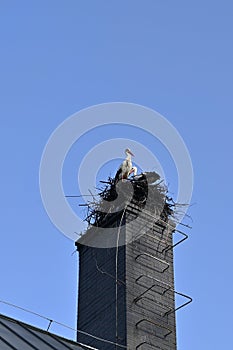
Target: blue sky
[(58, 57)]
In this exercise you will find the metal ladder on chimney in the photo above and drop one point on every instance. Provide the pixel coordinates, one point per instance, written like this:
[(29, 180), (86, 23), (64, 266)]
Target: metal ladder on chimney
[(151, 284)]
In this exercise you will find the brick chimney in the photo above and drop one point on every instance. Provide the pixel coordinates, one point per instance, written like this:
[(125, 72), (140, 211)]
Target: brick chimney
[(126, 290)]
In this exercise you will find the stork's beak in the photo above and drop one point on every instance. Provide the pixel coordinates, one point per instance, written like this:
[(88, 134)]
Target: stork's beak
[(131, 153), (131, 171)]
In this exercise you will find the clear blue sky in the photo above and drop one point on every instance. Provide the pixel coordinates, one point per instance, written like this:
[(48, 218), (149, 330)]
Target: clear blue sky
[(58, 57)]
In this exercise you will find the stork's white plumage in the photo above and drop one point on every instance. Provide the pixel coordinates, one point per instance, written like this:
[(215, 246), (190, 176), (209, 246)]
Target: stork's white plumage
[(125, 168), (149, 176)]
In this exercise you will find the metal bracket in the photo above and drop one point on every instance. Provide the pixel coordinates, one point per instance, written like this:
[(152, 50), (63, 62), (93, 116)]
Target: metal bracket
[(168, 330), (163, 262), (168, 246), (181, 306), (168, 288), (177, 243), (165, 309), (147, 343), (159, 240)]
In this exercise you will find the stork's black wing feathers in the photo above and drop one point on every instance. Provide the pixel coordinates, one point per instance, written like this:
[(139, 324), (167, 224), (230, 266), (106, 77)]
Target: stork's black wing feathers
[(117, 176)]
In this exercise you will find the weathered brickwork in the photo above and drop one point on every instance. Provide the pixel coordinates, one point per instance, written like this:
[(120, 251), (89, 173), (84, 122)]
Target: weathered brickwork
[(150, 289)]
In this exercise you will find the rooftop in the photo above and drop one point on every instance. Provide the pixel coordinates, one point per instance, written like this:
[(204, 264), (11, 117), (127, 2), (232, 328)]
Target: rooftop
[(17, 335)]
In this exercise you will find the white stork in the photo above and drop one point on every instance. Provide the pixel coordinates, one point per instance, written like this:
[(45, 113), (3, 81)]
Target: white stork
[(125, 168)]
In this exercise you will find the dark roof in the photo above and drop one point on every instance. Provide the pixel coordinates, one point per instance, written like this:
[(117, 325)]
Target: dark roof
[(16, 335)]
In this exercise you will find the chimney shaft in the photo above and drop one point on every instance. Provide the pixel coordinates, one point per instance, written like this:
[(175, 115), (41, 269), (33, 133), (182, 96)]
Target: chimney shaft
[(137, 312)]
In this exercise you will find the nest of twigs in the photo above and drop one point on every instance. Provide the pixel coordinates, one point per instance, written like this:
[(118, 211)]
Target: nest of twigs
[(145, 191)]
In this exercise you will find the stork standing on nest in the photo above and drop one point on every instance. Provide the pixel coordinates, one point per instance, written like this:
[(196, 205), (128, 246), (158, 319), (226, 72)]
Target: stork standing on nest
[(125, 169)]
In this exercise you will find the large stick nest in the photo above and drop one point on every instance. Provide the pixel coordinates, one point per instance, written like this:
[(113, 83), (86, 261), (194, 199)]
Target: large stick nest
[(144, 191)]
